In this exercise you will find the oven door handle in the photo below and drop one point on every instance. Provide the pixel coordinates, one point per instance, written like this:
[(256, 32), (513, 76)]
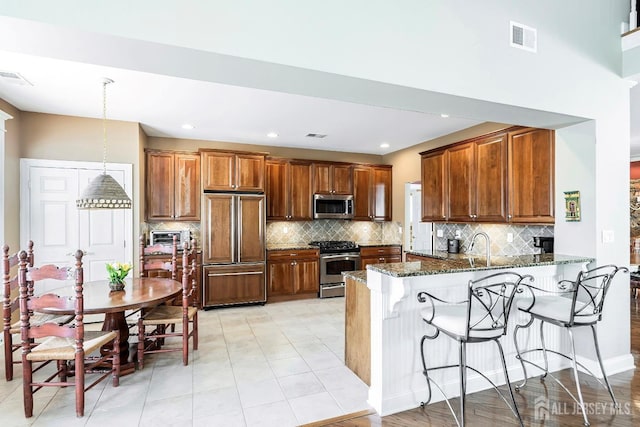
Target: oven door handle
[(333, 286), (339, 256)]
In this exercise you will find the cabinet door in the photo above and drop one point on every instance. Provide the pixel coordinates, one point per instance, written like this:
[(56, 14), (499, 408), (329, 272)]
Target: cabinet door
[(187, 187), (218, 225), (491, 177), (233, 284), (300, 194), (362, 178), (306, 277), (381, 197), (531, 176), (461, 196), (218, 170), (160, 186), (279, 279), (249, 173), (276, 190), (342, 179), (434, 184), (251, 228), (322, 178)]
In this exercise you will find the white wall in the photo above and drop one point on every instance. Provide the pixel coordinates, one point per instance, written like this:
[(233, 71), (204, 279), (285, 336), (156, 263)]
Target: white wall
[(432, 56)]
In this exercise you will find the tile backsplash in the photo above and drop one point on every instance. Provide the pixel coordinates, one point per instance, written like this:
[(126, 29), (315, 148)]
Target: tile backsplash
[(522, 243), (283, 232)]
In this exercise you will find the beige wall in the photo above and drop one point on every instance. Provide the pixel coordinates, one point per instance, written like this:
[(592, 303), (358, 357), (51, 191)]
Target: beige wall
[(11, 172), (292, 153), (406, 163)]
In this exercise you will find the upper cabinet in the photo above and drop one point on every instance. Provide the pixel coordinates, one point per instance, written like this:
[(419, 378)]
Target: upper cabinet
[(372, 193), (491, 178), (332, 178), (173, 186), (531, 176), (289, 190), (232, 171)]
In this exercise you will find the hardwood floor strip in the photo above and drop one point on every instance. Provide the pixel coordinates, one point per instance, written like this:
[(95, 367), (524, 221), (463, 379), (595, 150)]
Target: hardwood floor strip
[(332, 421)]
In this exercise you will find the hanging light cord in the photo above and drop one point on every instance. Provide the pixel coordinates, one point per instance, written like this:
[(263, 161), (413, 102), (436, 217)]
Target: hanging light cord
[(105, 82)]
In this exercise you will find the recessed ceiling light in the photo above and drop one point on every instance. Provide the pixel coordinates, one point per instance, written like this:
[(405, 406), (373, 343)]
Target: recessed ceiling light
[(384, 145), (272, 135), (444, 115), (187, 126)]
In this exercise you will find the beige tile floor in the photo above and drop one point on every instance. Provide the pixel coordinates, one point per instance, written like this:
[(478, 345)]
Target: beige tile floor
[(281, 365)]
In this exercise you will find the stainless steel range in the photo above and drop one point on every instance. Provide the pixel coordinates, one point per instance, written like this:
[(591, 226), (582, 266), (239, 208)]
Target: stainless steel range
[(336, 256)]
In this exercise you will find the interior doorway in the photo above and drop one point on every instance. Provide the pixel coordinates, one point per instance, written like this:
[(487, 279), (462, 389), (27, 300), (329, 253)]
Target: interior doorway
[(418, 235)]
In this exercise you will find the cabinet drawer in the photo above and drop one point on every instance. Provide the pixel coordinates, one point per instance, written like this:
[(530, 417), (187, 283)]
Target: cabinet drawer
[(281, 255), (374, 251)]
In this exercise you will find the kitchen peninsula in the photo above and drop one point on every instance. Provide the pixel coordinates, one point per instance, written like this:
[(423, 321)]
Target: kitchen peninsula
[(395, 369)]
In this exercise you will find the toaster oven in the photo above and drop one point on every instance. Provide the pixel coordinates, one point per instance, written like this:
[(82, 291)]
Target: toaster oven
[(165, 237)]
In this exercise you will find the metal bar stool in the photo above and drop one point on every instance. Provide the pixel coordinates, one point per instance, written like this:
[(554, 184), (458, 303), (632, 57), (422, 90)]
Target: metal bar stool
[(481, 317), (575, 303)]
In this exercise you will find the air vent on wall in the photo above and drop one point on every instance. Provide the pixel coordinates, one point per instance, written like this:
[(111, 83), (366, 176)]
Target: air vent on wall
[(13, 78), (523, 37), (315, 135)]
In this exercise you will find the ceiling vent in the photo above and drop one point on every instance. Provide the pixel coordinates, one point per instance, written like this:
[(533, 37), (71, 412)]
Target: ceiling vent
[(524, 37), (315, 135), (14, 78)]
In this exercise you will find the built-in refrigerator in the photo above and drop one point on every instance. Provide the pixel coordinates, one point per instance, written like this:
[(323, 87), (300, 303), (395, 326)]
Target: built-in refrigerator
[(233, 249)]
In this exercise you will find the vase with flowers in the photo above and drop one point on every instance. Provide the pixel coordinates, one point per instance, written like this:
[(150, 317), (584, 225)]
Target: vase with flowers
[(117, 273)]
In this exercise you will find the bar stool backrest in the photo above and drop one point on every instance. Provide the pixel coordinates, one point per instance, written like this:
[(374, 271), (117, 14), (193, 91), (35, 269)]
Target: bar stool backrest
[(589, 291)]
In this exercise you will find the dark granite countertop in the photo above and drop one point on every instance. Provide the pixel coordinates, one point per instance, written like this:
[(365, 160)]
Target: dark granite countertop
[(377, 243), (358, 275), (461, 263), (289, 246)]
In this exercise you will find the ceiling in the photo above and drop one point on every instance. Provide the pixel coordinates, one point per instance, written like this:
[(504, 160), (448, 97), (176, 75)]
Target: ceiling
[(218, 112)]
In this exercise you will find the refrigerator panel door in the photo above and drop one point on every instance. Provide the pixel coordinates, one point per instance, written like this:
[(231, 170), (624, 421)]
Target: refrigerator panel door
[(218, 234), (251, 228), (234, 284)]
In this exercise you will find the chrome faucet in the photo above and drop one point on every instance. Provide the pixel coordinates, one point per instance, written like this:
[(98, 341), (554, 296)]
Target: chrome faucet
[(488, 244)]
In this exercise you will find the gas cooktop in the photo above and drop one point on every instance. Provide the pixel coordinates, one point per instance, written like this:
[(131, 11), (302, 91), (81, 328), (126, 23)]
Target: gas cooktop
[(335, 246)]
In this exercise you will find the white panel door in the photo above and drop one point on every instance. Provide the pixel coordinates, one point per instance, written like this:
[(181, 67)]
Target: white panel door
[(419, 234), (57, 228)]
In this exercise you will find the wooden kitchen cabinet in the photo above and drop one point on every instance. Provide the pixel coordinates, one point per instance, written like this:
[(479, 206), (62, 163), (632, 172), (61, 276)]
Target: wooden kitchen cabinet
[(172, 186), (372, 193), (434, 185), (332, 178), (230, 284), (293, 274), (357, 329), (531, 176), (379, 255), (289, 190), (232, 171), (477, 180)]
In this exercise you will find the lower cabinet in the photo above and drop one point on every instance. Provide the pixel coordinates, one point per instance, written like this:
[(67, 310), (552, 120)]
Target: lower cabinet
[(293, 274), (228, 284), (357, 329), (379, 255)]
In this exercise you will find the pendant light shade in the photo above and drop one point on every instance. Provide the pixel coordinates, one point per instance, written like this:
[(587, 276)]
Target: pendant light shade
[(104, 192)]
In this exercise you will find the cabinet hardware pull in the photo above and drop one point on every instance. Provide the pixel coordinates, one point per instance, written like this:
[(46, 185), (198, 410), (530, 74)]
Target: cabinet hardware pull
[(233, 274)]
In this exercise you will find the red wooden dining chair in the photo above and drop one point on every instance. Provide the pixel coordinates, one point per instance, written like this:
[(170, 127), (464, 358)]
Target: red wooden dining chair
[(163, 316), (153, 259), (70, 346), (10, 308)]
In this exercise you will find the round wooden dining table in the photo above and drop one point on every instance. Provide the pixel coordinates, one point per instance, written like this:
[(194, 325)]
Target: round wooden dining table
[(141, 292)]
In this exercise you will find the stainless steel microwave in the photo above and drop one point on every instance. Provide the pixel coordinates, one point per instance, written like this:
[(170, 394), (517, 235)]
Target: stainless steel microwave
[(332, 206), (165, 237)]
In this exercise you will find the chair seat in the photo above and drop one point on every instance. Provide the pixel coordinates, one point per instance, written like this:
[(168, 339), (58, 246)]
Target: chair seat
[(164, 314), (39, 319), (56, 348), (557, 308), (453, 320)]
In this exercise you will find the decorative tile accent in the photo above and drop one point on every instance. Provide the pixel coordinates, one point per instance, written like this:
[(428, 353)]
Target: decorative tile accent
[(522, 237), (283, 232)]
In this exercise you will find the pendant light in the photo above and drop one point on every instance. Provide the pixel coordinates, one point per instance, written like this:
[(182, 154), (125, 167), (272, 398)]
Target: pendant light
[(104, 192)]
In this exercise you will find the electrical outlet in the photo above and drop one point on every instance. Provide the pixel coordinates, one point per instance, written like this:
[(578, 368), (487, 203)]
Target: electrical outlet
[(608, 236), (509, 237), (458, 234), (440, 233)]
